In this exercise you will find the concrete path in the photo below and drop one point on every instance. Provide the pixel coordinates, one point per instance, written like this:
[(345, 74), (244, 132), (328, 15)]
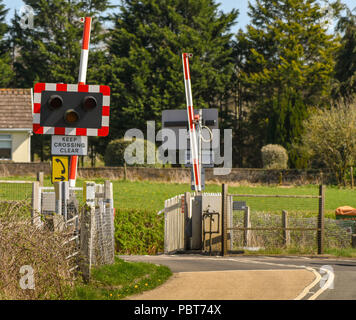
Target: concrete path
[(254, 277), (231, 285)]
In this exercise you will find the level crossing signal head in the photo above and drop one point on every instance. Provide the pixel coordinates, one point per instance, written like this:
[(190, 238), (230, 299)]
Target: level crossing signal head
[(71, 109)]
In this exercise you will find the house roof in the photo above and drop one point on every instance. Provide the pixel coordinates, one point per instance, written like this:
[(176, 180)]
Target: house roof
[(15, 109)]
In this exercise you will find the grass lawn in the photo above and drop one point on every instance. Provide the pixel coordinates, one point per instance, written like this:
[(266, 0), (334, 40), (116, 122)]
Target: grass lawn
[(335, 252), (121, 279), (151, 195)]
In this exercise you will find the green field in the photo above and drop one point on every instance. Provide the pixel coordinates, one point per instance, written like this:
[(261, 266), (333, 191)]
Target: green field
[(151, 195)]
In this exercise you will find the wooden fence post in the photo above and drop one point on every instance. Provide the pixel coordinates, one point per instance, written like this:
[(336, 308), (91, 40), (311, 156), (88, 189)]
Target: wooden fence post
[(87, 224), (109, 221), (247, 224), (40, 178), (108, 193), (224, 219), (320, 232), (36, 205), (285, 233), (352, 177)]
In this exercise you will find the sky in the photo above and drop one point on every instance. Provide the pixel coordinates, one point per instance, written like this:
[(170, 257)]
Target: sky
[(226, 6)]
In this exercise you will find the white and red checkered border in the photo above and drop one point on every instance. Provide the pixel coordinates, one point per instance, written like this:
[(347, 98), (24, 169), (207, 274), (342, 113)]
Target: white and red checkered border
[(101, 132)]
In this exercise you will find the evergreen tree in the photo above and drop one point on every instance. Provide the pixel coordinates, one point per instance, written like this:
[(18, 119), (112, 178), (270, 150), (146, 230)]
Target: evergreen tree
[(50, 52), (345, 69), (145, 69), (5, 59), (286, 60)]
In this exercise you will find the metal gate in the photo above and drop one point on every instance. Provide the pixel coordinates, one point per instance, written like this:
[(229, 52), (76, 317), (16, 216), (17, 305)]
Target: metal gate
[(193, 222)]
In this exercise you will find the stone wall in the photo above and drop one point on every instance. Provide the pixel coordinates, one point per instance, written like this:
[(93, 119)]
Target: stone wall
[(180, 175), (23, 168)]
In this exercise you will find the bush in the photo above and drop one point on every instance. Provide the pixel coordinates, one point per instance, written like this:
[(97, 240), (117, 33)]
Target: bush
[(115, 153), (274, 156), (330, 139), (139, 231), (22, 244)]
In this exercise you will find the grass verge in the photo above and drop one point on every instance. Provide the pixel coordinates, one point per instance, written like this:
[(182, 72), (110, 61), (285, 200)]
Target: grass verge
[(121, 279), (341, 252), (335, 252)]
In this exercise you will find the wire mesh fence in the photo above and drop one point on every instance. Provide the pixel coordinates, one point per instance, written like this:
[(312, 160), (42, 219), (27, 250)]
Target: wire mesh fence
[(72, 205), (298, 227), (15, 196), (15, 190)]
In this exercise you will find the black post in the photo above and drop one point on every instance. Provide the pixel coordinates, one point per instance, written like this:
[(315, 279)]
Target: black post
[(224, 220), (321, 219)]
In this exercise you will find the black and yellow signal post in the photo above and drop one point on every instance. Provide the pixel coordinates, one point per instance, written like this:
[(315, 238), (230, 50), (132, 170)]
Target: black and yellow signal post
[(60, 168)]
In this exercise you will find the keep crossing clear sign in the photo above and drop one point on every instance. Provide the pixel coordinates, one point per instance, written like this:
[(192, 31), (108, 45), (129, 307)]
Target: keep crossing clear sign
[(60, 168), (69, 145)]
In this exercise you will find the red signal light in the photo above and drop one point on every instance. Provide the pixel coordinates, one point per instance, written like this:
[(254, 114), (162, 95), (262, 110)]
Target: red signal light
[(89, 103), (55, 101)]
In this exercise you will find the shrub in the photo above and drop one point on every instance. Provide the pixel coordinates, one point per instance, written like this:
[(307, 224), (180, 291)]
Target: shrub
[(22, 244), (139, 231), (330, 139), (115, 153), (274, 156)]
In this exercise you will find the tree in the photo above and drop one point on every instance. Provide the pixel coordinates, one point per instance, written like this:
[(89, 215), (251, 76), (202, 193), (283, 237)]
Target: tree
[(5, 58), (330, 138), (145, 70), (285, 63), (345, 69), (50, 52)]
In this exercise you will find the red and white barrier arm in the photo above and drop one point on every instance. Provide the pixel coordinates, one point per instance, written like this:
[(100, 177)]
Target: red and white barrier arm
[(192, 132), (81, 79), (85, 51)]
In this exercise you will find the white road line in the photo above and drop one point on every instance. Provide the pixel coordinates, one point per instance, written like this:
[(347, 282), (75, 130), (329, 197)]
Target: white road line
[(327, 284)]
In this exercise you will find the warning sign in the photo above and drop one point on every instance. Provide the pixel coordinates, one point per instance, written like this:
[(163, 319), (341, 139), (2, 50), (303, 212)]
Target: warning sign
[(70, 145), (60, 168)]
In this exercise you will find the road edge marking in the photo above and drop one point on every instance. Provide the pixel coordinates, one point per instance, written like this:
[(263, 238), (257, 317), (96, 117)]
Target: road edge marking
[(330, 280), (313, 284)]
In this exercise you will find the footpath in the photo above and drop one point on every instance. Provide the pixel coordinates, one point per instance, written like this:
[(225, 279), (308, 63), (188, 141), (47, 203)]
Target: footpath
[(284, 284)]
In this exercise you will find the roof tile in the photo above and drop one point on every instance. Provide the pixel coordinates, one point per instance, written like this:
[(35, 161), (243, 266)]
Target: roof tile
[(15, 108)]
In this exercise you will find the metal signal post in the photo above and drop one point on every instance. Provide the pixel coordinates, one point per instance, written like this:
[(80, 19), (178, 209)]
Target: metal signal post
[(81, 79), (192, 123)]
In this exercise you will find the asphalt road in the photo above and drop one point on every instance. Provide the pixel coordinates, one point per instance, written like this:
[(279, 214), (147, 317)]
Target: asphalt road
[(337, 277)]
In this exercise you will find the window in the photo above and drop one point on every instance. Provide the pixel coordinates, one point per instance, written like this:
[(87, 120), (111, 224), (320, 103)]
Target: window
[(5, 146)]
